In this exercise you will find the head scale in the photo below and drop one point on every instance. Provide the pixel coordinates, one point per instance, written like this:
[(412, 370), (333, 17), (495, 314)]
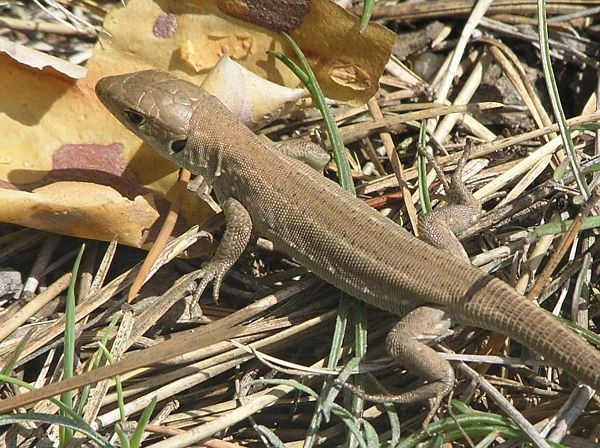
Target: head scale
[(161, 115)]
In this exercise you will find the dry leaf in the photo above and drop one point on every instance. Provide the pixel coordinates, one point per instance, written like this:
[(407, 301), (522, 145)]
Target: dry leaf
[(36, 59), (252, 99), (189, 38), (61, 135), (67, 155)]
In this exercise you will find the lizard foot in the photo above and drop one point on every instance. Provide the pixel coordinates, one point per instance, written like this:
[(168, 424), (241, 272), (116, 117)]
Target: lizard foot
[(440, 226), (423, 393), (455, 190), (213, 270)]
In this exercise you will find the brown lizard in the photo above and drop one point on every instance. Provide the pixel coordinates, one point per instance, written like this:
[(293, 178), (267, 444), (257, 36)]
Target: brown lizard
[(338, 237)]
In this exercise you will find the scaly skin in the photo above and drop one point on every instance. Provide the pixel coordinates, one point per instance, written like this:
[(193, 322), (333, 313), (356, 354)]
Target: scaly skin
[(335, 235)]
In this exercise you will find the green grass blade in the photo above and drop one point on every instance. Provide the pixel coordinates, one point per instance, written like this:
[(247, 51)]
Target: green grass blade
[(66, 433), (97, 357), (306, 75), (16, 353), (118, 386), (51, 419), (122, 436), (366, 15), (136, 437), (422, 171), (555, 99)]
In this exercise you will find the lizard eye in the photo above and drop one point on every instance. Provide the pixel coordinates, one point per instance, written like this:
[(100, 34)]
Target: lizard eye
[(134, 117), (178, 145)]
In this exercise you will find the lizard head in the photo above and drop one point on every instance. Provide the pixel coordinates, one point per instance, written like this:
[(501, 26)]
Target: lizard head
[(154, 105)]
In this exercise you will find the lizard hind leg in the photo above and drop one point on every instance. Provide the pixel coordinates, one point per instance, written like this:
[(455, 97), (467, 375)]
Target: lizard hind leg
[(440, 226), (408, 343)]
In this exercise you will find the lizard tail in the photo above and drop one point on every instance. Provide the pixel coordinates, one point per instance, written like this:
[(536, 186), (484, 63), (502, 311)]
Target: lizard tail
[(497, 307)]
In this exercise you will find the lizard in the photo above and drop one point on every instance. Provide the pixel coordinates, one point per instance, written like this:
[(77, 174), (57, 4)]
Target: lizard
[(337, 236)]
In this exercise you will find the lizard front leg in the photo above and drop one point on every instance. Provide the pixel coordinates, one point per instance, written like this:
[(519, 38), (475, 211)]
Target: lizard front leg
[(304, 151), (238, 229), (238, 224)]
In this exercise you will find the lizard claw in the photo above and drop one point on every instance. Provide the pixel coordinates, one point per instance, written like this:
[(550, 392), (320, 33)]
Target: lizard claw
[(212, 270)]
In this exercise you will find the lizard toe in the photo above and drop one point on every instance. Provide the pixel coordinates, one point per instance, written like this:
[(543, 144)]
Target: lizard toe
[(212, 271)]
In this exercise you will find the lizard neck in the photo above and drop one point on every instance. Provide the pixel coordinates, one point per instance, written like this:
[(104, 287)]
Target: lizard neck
[(218, 146)]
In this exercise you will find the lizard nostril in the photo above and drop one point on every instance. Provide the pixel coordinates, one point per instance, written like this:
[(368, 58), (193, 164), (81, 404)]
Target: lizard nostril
[(178, 145)]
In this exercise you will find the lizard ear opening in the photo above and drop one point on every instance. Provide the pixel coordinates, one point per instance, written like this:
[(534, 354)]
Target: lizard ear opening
[(134, 117), (178, 145)]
